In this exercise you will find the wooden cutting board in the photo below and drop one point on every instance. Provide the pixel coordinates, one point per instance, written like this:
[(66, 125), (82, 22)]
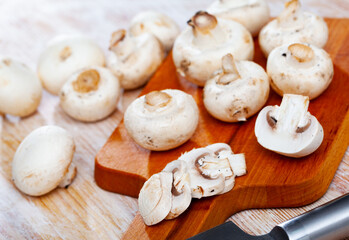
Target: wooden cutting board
[(272, 180)]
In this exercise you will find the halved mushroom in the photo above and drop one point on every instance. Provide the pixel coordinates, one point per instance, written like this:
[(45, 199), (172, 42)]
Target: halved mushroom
[(293, 26), (162, 120), (298, 68), (20, 89), (237, 92), (162, 26), (198, 50), (65, 55), (90, 94), (133, 59), (43, 161), (290, 129), (253, 14)]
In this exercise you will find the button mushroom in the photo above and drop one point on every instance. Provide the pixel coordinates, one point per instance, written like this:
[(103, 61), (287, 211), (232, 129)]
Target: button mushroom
[(43, 161), (253, 14), (300, 69), (20, 89), (162, 26), (293, 26), (90, 94), (162, 120), (237, 92), (64, 56), (290, 129), (198, 50), (133, 59)]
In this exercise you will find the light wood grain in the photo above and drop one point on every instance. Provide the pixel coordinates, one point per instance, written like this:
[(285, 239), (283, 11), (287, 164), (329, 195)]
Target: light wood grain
[(84, 211)]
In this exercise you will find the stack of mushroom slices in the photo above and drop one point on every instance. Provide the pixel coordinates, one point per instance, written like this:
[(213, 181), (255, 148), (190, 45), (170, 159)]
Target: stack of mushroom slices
[(201, 172)]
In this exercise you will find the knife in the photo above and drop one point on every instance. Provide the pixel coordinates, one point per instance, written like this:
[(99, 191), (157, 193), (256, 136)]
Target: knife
[(327, 222)]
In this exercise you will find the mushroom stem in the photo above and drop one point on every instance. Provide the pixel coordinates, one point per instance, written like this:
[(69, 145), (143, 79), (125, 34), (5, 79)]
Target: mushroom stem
[(301, 53), (290, 14), (121, 44), (69, 176), (87, 81), (157, 99), (230, 71)]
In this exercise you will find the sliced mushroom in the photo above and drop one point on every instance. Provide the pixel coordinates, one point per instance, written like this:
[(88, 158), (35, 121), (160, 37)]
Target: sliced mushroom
[(20, 89), (293, 26), (133, 59), (90, 94), (162, 26), (162, 120), (253, 14), (290, 129), (298, 68), (237, 92), (43, 161), (198, 50), (65, 55)]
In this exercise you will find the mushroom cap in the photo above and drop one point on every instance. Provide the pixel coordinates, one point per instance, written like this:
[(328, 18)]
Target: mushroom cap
[(159, 24), (90, 94), (253, 14), (162, 120), (291, 71), (134, 59), (197, 56), (240, 98), (65, 55), (42, 160), (20, 89), (293, 26)]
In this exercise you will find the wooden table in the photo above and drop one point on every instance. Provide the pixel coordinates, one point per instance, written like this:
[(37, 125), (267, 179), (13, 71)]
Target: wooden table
[(84, 211)]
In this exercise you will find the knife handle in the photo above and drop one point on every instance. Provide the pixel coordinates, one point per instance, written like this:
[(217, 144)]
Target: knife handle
[(327, 222)]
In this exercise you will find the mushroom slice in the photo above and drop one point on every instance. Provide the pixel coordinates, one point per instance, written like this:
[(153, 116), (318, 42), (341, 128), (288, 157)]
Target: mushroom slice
[(65, 55), (90, 94), (290, 129), (133, 59), (162, 120), (253, 14), (293, 26), (237, 91), (198, 50), (162, 26), (43, 161), (20, 89), (155, 198), (300, 68)]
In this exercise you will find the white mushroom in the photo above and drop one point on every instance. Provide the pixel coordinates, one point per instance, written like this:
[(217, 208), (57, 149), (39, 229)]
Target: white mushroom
[(162, 120), (134, 59), (20, 89), (300, 69), (198, 50), (162, 26), (290, 129), (43, 161), (64, 56), (253, 14), (90, 94), (293, 26), (237, 92)]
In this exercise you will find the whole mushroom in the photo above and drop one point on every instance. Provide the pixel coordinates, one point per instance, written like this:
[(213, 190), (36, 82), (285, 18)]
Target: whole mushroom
[(43, 161), (20, 89), (298, 68), (237, 92), (198, 50), (65, 55), (134, 59), (293, 26), (253, 14), (162, 120), (90, 94), (162, 26)]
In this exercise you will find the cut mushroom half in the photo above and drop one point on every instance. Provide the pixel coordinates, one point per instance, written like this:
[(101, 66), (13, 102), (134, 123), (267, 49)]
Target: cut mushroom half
[(300, 68), (289, 129), (134, 59), (198, 50)]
